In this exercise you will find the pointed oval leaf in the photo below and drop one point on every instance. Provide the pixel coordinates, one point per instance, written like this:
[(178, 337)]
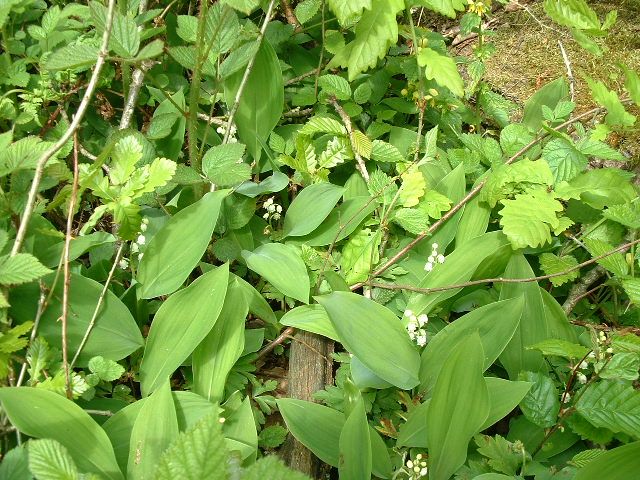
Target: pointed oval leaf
[(315, 426), (621, 463), (375, 335), (180, 324), (176, 249), (310, 318), (310, 208), (43, 414), (282, 267), (458, 409), (355, 446)]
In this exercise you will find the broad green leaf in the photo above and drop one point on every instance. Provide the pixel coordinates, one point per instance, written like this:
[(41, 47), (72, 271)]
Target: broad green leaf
[(77, 247), (178, 246), (445, 7), (542, 318), (275, 183), (106, 369), (621, 463), (213, 359), (196, 454), (375, 335), (529, 217), (385, 152), (261, 102), (561, 348), (310, 208), (627, 214), (632, 84), (615, 262), (49, 460), (495, 324), (115, 334), (21, 268), (75, 56), (180, 324), (155, 428), (334, 85), (459, 267), (458, 408), (322, 124), (375, 32), (549, 95), (412, 188), (15, 463), (125, 36), (442, 69), (341, 222), (552, 264), (310, 318), (613, 405), (632, 287), (150, 50), (622, 366), (616, 113), (599, 188), (504, 396), (244, 6), (361, 144), (361, 252), (282, 266), (565, 160), (315, 426), (346, 11), (514, 137), (541, 404), (355, 445), (223, 165), (41, 414), (364, 378), (572, 14)]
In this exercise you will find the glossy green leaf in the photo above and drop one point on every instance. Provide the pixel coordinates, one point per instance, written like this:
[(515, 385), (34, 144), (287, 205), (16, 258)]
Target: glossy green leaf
[(612, 405), (181, 323), (459, 267), (214, 357), (282, 267), (622, 463), (442, 69), (309, 209), (542, 318), (155, 428), (49, 460), (495, 324), (458, 409), (375, 335), (315, 426), (504, 396), (115, 334), (262, 100), (176, 249), (310, 318), (541, 403), (355, 446), (43, 414)]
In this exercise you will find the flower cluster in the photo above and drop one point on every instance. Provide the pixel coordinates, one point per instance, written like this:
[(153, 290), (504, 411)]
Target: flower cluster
[(415, 327), (135, 246), (274, 211), (222, 130), (478, 7), (417, 468), (434, 258)]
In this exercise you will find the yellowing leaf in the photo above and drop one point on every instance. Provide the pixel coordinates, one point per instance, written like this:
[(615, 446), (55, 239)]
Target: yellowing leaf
[(412, 189)]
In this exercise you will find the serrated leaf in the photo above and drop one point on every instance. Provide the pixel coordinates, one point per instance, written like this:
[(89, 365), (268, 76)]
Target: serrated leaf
[(442, 69), (627, 214), (150, 50), (336, 86), (412, 188), (445, 7), (565, 160), (615, 263), (527, 219), (599, 188), (552, 264), (632, 287), (612, 405), (632, 84), (361, 144), (375, 32), (72, 57), (125, 36), (21, 268), (106, 369), (385, 152), (621, 463), (360, 254), (572, 14), (583, 458), (223, 165), (616, 113), (347, 10), (540, 405), (412, 220), (244, 6), (595, 148), (49, 460), (507, 180), (333, 155), (321, 124), (196, 454), (622, 366)]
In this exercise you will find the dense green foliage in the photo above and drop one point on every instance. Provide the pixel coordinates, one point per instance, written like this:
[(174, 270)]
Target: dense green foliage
[(181, 183)]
